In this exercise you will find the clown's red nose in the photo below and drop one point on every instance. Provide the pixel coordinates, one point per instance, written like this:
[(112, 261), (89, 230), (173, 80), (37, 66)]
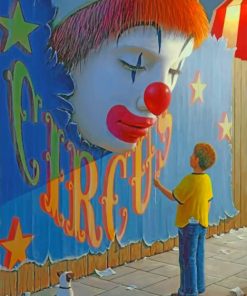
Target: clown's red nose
[(157, 97)]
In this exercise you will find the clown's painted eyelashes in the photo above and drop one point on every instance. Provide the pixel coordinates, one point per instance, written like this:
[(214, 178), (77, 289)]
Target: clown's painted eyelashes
[(139, 67), (175, 72), (132, 67)]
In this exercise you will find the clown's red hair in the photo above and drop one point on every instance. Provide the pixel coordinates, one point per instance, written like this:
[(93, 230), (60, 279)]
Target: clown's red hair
[(89, 27)]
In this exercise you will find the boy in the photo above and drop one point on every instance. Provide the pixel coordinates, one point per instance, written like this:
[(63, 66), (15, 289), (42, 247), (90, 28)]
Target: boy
[(193, 195)]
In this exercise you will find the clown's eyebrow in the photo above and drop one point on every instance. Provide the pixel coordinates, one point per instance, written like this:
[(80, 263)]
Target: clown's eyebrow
[(159, 38), (185, 44)]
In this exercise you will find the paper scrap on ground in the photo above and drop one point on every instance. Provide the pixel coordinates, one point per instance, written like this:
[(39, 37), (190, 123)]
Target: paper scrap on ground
[(226, 252), (106, 272), (131, 287), (236, 292), (216, 236), (175, 249)]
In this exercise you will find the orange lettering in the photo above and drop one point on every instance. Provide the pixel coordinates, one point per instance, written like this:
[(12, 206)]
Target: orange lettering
[(109, 199), (141, 169), (82, 199)]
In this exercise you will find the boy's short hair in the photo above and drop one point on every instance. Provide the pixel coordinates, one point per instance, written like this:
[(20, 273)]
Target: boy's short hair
[(206, 154)]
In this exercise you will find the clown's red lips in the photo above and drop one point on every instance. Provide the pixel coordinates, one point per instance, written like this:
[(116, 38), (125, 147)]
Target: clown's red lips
[(127, 126)]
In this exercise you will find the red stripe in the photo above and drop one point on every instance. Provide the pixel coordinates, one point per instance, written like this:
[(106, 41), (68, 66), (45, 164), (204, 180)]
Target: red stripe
[(241, 51), (219, 19)]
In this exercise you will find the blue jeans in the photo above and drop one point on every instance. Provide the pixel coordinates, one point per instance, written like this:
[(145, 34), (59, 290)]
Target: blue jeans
[(191, 259)]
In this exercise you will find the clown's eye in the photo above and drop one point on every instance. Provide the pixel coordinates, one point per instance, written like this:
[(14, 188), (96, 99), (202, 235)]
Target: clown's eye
[(132, 67), (175, 71)]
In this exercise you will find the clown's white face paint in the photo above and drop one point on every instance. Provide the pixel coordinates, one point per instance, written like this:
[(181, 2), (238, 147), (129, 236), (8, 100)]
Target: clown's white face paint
[(110, 85)]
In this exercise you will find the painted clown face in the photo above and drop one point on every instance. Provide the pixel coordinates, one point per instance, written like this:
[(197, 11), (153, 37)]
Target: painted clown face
[(112, 107)]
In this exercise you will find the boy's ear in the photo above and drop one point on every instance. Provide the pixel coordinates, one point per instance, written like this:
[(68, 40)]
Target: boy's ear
[(197, 160)]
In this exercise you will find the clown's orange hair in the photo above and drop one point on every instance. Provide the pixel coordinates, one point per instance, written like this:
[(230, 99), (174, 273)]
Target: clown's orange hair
[(89, 27)]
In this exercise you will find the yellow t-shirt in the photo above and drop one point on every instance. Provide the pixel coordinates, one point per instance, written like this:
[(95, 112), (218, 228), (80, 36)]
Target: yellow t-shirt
[(193, 194)]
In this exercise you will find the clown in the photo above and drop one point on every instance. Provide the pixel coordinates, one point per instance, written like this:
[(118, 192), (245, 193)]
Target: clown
[(125, 57)]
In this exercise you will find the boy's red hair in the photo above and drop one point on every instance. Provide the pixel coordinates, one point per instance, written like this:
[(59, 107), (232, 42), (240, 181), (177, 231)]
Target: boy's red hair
[(206, 154), (89, 27)]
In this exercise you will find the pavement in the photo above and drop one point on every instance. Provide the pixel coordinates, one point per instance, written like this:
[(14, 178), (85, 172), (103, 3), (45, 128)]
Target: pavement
[(226, 269)]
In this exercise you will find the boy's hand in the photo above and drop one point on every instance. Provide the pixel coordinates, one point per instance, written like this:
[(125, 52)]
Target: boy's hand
[(156, 182), (163, 189)]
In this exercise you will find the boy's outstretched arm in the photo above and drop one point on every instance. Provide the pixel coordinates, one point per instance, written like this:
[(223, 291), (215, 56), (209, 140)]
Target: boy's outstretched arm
[(163, 189), (209, 205)]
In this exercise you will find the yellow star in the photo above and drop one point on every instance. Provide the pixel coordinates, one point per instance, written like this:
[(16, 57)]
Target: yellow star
[(15, 245), (18, 29), (197, 88), (225, 128)]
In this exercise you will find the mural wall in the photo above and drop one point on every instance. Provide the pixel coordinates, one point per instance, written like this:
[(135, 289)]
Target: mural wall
[(85, 126)]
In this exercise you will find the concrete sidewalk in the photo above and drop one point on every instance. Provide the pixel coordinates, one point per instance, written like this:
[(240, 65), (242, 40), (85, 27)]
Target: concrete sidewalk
[(226, 268)]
